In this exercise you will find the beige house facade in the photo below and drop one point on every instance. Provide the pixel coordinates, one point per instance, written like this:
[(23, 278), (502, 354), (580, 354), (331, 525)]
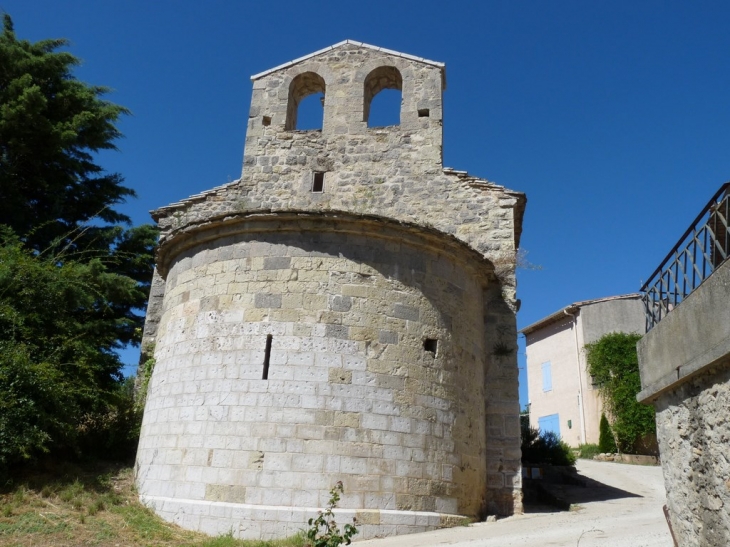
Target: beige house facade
[(562, 397)]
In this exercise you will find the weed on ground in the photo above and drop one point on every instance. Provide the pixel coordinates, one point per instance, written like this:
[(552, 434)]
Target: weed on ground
[(95, 506)]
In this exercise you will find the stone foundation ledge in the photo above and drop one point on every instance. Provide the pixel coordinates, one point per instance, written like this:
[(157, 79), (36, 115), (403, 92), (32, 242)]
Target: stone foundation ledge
[(635, 459), (247, 521)]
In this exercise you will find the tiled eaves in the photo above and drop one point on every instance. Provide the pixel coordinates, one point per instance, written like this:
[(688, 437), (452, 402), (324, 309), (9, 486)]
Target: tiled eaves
[(483, 184), (462, 176), (352, 43), (195, 198), (471, 180)]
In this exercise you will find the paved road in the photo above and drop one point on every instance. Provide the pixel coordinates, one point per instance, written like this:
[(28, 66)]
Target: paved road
[(626, 512)]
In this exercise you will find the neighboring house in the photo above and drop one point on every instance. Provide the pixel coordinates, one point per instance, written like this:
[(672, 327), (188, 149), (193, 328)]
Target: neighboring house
[(561, 395), (684, 361)]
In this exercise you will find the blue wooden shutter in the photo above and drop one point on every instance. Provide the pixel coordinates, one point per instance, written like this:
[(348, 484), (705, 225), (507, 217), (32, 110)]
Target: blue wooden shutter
[(549, 423), (547, 377)]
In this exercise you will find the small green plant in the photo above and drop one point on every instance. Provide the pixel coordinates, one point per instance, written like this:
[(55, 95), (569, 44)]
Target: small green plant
[(19, 495), (145, 375), (95, 506), (72, 491), (587, 451), (323, 530), (502, 349)]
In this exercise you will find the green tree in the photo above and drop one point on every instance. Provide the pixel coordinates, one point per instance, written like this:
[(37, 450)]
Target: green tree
[(60, 385), (51, 124), (74, 280), (614, 365), (52, 193)]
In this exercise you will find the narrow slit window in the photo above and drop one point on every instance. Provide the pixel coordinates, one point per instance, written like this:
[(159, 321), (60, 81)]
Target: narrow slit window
[(266, 121), (267, 357), (431, 345), (318, 182), (423, 113)]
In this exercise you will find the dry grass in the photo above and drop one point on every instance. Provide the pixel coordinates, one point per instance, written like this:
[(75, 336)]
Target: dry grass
[(74, 507)]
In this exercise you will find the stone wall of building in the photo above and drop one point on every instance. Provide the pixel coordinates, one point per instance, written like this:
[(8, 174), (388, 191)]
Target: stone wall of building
[(383, 287), (694, 432), (376, 377)]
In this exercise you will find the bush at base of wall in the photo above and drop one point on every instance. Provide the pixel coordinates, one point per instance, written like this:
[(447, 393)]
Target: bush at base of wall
[(606, 442), (544, 447)]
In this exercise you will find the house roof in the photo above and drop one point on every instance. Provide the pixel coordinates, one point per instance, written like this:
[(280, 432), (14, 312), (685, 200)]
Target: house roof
[(572, 308), (353, 43)]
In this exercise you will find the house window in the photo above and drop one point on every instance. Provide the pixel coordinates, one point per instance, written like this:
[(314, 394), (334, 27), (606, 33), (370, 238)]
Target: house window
[(547, 377)]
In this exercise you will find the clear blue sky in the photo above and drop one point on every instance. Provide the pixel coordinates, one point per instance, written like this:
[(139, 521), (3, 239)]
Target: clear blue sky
[(612, 116)]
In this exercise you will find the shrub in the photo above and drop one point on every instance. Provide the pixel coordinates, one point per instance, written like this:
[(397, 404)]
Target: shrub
[(544, 447), (606, 440)]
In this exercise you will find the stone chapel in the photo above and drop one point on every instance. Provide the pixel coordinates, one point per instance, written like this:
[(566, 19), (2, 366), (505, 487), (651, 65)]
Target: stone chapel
[(345, 311)]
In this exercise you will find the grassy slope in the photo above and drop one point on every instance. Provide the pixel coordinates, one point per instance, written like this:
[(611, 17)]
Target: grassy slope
[(72, 507)]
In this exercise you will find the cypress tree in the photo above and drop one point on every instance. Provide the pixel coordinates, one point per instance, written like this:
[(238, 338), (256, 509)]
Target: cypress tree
[(606, 442)]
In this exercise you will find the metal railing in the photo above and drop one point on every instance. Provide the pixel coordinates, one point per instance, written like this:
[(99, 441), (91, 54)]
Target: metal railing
[(698, 253)]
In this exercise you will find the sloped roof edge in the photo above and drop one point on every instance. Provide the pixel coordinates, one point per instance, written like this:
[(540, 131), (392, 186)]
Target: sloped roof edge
[(462, 176), (572, 308), (353, 43)]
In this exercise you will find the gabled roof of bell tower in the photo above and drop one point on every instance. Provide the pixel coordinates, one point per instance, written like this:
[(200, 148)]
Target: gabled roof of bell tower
[(442, 66)]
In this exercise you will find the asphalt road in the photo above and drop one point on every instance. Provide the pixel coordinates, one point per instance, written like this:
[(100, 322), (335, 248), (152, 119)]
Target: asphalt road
[(622, 507)]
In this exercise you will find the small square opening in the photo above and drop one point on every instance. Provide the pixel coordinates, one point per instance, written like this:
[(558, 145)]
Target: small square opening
[(318, 181), (431, 345), (266, 121), (423, 112)]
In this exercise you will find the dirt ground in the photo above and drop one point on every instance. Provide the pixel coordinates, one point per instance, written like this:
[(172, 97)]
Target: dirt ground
[(621, 507)]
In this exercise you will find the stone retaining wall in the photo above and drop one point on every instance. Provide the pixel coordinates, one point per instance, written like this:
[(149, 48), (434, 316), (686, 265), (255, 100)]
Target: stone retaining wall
[(693, 432)]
